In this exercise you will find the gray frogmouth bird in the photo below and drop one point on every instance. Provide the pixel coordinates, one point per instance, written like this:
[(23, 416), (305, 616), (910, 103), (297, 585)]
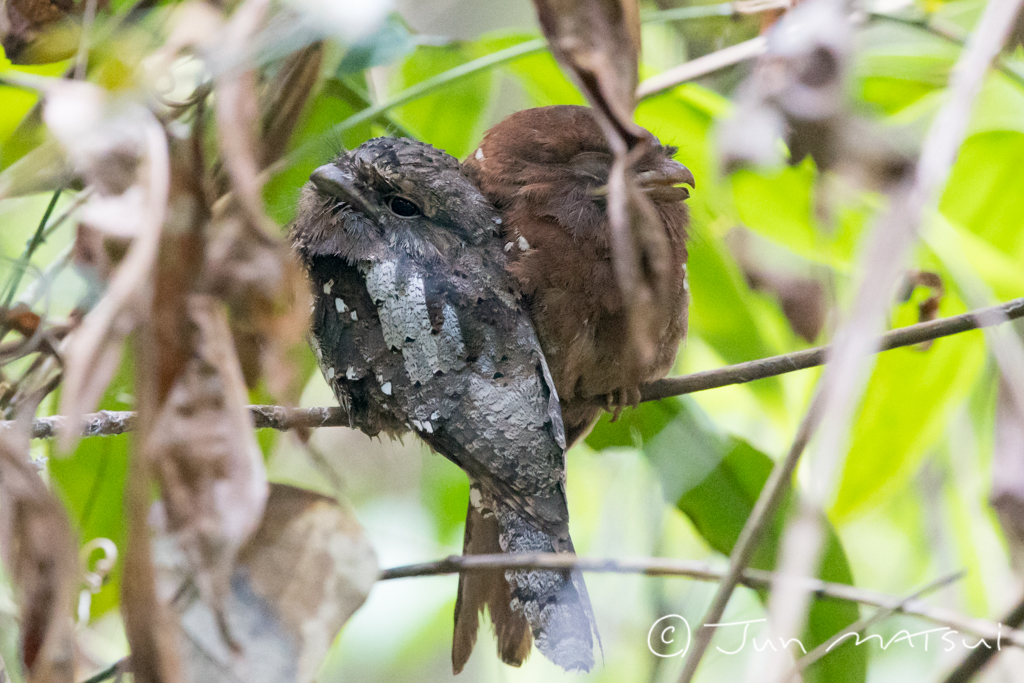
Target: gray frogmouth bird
[(418, 327)]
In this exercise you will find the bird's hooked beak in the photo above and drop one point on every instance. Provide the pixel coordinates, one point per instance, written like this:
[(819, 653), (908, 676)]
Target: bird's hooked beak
[(667, 182), (333, 182)]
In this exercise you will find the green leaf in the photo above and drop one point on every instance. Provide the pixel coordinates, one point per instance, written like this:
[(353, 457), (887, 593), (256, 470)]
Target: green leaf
[(335, 102), (539, 74), (716, 480), (780, 205), (984, 190), (730, 318), (91, 483), (15, 104), (904, 411), (451, 117)]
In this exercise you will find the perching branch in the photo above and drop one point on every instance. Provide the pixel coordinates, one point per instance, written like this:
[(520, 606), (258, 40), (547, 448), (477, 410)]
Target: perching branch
[(110, 423), (702, 571)]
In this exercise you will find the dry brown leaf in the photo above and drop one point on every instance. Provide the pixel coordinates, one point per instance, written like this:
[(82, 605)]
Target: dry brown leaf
[(299, 579), (123, 150), (798, 287), (598, 43), (238, 116), (203, 452), (23, 22), (39, 550), (285, 97), (1008, 472)]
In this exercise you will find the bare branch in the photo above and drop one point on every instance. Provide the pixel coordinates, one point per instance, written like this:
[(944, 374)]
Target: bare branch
[(701, 66), (979, 657), (111, 423), (702, 571), (867, 622)]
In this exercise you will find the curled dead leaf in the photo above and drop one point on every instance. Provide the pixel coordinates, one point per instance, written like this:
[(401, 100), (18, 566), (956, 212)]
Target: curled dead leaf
[(306, 570), (798, 287), (39, 31), (39, 551), (928, 308)]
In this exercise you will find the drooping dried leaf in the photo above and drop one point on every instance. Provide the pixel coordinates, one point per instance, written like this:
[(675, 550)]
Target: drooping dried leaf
[(284, 97), (248, 266), (797, 90), (121, 150), (298, 580), (204, 454), (598, 43), (1008, 472), (641, 258), (39, 551), (24, 23)]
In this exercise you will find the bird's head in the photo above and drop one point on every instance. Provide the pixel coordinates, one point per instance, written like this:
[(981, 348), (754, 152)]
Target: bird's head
[(390, 194), (560, 150)]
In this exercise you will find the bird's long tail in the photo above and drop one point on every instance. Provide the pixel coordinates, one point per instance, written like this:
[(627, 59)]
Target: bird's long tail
[(550, 607)]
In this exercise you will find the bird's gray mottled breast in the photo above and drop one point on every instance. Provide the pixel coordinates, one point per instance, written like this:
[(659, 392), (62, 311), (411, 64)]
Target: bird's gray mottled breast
[(401, 302)]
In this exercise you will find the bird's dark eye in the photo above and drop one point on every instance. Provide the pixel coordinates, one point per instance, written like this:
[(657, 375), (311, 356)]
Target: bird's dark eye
[(400, 206)]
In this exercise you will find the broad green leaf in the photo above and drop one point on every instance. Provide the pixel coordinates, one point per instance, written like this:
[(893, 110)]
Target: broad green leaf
[(908, 401), (900, 64), (780, 205), (15, 104), (716, 480), (985, 193), (543, 81), (1000, 272), (730, 318), (451, 117)]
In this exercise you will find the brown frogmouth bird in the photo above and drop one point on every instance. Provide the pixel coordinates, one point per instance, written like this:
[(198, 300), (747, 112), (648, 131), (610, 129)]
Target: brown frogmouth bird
[(546, 170), (419, 327)]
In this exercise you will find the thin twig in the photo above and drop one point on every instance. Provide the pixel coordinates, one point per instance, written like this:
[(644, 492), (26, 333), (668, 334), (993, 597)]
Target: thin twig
[(702, 571), (743, 550), (979, 657), (702, 66), (867, 622), (37, 238), (773, 366), (111, 423), (111, 671)]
